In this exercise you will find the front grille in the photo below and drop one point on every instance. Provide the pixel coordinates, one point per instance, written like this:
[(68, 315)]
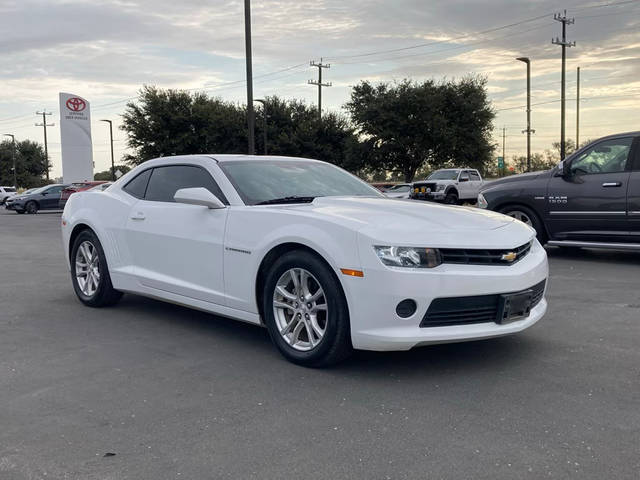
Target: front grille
[(466, 310), (419, 186), (468, 256)]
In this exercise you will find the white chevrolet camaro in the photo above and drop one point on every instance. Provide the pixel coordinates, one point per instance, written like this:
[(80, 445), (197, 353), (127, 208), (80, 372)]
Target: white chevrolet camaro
[(323, 260)]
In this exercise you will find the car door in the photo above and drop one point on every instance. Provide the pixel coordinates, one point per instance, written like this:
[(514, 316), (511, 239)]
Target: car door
[(178, 248), (633, 195), (51, 197), (464, 185), (590, 202), (476, 182)]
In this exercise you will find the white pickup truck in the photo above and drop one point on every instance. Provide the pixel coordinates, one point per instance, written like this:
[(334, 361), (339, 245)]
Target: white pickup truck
[(450, 185), (6, 193)]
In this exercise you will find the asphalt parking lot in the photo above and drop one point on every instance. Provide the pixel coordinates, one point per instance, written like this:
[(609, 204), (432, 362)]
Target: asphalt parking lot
[(176, 393)]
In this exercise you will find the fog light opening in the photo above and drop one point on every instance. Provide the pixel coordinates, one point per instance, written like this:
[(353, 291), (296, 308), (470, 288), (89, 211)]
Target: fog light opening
[(406, 308)]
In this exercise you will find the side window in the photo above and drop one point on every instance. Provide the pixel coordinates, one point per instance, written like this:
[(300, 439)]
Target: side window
[(609, 156), (475, 176), (464, 176), (55, 190), (166, 181), (138, 185)]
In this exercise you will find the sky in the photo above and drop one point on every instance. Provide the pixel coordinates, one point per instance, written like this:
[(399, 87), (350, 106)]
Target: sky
[(106, 50)]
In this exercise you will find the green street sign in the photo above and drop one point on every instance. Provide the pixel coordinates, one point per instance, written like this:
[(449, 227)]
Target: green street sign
[(500, 162)]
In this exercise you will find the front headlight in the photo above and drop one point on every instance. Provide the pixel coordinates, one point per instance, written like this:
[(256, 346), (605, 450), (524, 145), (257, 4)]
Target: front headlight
[(412, 257), (440, 187), (482, 202)]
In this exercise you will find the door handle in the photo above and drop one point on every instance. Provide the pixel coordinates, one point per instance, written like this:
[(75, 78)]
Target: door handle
[(612, 184), (137, 216)]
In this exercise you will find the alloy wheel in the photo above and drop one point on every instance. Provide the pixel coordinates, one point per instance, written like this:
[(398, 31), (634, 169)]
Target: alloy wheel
[(520, 215), (87, 268), (300, 309)]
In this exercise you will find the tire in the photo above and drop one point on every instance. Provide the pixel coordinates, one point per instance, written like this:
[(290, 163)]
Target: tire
[(527, 216), (451, 198), (31, 207), (86, 245), (328, 313)]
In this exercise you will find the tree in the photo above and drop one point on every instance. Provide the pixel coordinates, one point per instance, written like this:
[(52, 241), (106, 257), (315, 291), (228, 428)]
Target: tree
[(408, 125), (173, 122), (107, 176), (539, 162), (30, 163)]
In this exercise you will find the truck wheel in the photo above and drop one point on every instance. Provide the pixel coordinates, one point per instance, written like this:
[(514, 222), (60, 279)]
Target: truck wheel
[(528, 217), (451, 198)]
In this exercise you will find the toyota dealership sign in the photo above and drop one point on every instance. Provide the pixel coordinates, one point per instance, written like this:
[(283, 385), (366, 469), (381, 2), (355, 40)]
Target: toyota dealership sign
[(75, 136)]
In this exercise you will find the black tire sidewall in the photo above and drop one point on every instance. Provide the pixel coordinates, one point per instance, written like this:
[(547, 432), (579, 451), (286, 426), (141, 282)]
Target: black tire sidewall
[(105, 283), (337, 330), (35, 207), (451, 198)]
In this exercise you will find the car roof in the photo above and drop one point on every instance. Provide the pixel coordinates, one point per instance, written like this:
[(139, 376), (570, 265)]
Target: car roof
[(226, 157)]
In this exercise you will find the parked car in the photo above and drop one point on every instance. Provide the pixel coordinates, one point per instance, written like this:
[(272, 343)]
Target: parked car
[(6, 193), (43, 198), (592, 199), (100, 188), (398, 191), (76, 187), (326, 266), (451, 185)]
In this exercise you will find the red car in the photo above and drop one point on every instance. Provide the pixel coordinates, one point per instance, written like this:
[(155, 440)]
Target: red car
[(76, 187)]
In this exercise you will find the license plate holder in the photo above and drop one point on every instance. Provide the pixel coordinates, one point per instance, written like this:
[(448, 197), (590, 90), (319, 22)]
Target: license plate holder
[(514, 306)]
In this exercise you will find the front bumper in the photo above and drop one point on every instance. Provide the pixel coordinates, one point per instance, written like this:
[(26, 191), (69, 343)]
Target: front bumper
[(372, 299), (14, 206), (431, 196)]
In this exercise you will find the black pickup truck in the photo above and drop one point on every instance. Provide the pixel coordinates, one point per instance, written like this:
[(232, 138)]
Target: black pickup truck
[(591, 199)]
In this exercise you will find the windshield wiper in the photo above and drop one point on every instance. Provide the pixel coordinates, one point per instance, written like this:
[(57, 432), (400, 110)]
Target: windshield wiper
[(291, 199)]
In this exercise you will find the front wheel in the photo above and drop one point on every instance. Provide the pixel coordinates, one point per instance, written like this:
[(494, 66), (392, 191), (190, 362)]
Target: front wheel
[(31, 207), (528, 217), (451, 198), (305, 311), (89, 272)]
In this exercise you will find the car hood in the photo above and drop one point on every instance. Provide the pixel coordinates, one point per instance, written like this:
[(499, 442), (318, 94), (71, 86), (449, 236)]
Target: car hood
[(410, 222), (521, 177)]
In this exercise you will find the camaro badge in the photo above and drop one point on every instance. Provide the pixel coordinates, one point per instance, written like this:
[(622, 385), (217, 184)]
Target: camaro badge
[(509, 257)]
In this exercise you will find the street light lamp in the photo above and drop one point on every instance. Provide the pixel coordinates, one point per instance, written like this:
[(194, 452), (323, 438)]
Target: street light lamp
[(13, 157), (264, 119), (528, 130), (113, 168)]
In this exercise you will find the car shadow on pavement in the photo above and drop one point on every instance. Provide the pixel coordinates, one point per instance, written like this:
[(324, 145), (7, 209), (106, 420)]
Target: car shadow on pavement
[(246, 340)]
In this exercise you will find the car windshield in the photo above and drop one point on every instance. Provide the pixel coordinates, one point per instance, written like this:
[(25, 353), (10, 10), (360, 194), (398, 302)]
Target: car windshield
[(258, 181), (443, 175)]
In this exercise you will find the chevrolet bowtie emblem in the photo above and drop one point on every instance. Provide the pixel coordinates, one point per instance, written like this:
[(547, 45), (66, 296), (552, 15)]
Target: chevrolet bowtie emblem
[(509, 257)]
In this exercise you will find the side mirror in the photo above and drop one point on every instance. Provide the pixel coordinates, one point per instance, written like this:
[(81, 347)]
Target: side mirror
[(45, 193), (198, 196), (563, 170)]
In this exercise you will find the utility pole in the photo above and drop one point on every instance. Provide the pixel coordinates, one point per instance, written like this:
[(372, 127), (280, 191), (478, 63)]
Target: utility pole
[(528, 130), (44, 125), (577, 107), (564, 44), (319, 83), (264, 119), (504, 142), (13, 157), (247, 41), (113, 168)]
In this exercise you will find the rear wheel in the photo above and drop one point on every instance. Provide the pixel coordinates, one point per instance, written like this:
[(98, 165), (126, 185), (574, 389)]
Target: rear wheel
[(89, 272), (528, 217), (31, 207), (305, 310)]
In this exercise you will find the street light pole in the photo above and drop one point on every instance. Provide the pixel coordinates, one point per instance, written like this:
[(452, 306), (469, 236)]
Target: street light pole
[(247, 40), (13, 157), (113, 168), (528, 130), (264, 119)]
